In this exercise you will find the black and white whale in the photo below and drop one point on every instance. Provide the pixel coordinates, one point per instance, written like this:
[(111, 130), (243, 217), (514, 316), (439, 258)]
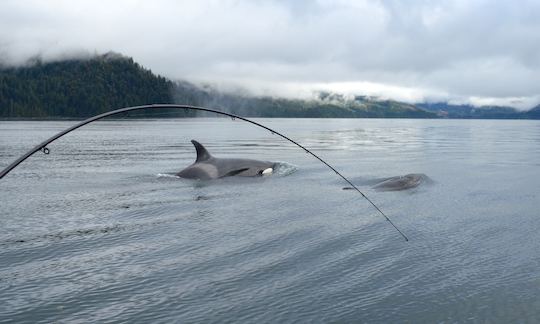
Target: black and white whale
[(208, 167)]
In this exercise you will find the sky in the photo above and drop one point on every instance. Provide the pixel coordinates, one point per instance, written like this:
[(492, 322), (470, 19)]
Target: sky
[(462, 51)]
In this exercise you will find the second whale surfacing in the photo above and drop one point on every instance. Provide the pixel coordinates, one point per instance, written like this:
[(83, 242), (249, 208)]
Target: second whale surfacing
[(207, 167), (405, 182), (398, 183)]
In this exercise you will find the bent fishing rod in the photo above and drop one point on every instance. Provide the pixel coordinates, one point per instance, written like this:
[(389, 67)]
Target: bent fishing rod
[(43, 145)]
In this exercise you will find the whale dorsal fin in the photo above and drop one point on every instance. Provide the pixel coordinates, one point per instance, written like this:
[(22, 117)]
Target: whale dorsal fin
[(202, 153)]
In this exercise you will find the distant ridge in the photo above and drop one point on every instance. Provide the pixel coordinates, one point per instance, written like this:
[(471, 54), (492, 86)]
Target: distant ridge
[(83, 87), (446, 110), (77, 88), (325, 106), (534, 113)]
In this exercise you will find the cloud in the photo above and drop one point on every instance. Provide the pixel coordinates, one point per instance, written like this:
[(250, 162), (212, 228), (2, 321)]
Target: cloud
[(468, 50)]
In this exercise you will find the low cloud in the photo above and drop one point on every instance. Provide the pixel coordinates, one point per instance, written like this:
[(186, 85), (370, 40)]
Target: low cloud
[(467, 51)]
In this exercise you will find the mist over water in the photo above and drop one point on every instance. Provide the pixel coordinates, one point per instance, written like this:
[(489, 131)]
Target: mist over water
[(95, 231), (377, 48)]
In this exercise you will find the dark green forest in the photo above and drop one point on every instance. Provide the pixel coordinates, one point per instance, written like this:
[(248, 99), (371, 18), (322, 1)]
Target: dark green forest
[(83, 88), (80, 88)]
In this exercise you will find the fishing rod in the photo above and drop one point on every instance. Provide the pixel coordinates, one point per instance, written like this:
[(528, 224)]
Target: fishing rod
[(43, 145)]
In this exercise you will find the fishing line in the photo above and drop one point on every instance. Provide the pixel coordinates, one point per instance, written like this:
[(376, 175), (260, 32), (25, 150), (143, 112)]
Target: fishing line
[(43, 145)]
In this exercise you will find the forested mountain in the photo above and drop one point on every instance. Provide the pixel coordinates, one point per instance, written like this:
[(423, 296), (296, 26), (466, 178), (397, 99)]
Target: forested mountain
[(326, 105), (83, 88), (447, 110), (534, 113), (79, 88)]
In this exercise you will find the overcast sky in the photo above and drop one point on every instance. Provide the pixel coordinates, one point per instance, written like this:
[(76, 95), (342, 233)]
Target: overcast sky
[(482, 52)]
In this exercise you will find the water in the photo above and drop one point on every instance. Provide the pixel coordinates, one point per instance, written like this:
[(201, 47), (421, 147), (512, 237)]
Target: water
[(97, 232)]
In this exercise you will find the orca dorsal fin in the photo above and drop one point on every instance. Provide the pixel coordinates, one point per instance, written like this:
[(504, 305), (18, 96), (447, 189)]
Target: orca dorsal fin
[(202, 153)]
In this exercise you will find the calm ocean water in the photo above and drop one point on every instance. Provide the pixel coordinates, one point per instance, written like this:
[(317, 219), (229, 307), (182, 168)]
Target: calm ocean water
[(97, 231)]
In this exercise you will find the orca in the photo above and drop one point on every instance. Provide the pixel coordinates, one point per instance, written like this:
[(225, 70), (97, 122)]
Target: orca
[(404, 182), (398, 183), (208, 167)]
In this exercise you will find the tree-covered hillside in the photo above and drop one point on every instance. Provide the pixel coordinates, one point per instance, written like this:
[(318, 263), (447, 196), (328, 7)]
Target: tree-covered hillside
[(534, 113), (447, 110), (79, 88), (83, 88), (326, 105)]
